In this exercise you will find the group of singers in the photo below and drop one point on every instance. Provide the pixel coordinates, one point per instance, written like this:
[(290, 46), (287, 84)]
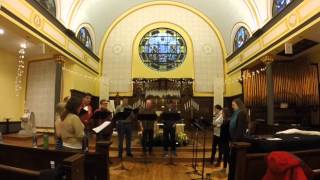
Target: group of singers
[(228, 127), (75, 120), (125, 126)]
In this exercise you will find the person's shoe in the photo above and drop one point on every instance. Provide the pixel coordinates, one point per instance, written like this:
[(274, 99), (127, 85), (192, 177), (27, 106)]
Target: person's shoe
[(144, 153), (130, 155), (151, 153), (120, 156), (174, 154), (165, 154), (218, 164), (224, 172), (211, 160)]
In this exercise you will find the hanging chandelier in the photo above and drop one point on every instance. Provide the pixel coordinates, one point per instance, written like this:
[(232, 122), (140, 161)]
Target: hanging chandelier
[(21, 66)]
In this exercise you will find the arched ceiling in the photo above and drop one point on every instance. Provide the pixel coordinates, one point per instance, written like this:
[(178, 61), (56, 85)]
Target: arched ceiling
[(224, 14)]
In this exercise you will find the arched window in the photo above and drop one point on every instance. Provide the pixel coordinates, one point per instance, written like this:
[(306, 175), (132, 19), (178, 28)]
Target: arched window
[(241, 37), (279, 5), (49, 5), (85, 38), (162, 49)]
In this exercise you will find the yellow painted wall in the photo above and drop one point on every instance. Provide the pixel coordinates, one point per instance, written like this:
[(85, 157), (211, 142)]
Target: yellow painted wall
[(71, 80), (11, 106), (233, 88), (185, 70)]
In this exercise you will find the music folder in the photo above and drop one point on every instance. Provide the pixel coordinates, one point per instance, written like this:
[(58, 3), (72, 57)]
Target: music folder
[(147, 117), (170, 116), (101, 114), (101, 127)]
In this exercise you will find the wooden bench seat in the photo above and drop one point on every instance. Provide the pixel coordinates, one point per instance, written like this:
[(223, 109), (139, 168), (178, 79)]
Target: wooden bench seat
[(33, 163)]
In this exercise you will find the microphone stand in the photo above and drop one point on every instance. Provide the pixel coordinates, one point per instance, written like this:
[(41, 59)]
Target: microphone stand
[(195, 152), (204, 152)]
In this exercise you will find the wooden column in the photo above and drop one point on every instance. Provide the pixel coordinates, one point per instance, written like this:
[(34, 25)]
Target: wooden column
[(270, 91)]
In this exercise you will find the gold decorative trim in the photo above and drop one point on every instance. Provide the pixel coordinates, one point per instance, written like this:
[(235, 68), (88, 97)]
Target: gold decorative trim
[(285, 27), (45, 27)]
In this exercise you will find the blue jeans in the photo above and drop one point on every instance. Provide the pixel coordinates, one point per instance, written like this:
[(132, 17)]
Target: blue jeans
[(124, 131)]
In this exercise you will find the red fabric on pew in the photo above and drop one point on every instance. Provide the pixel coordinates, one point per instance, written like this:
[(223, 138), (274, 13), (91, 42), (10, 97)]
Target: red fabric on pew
[(284, 166)]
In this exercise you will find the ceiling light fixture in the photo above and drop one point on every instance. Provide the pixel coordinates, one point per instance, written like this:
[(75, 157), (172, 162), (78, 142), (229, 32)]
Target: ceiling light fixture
[(23, 45), (1, 31)]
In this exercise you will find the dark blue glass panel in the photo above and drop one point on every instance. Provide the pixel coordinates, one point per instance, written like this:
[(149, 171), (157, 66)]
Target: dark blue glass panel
[(241, 37), (49, 5), (85, 38), (279, 5)]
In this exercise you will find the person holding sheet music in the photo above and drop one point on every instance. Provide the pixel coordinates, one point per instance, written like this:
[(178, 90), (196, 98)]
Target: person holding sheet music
[(100, 116), (86, 110), (169, 131), (147, 128), (125, 127)]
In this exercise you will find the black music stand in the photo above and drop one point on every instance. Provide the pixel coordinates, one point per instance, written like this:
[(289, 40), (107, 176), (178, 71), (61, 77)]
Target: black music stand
[(120, 116), (99, 118), (170, 118), (195, 137), (147, 117), (198, 126)]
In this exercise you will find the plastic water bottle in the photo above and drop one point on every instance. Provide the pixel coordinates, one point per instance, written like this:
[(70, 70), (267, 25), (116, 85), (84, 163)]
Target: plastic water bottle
[(45, 141), (52, 165), (85, 143), (1, 138), (34, 140)]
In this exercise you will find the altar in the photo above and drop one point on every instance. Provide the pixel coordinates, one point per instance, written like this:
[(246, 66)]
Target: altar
[(158, 130)]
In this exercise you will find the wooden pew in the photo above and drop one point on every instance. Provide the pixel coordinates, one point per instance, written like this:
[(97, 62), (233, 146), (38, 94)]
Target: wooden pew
[(29, 163), (32, 163), (253, 166)]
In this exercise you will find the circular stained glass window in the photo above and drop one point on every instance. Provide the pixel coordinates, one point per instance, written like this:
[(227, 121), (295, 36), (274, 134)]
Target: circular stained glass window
[(162, 49)]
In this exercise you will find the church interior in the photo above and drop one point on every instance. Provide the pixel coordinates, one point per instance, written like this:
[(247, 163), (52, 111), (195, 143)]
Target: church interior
[(160, 89)]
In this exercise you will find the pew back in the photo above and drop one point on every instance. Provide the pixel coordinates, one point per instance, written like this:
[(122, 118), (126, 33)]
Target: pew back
[(32, 163)]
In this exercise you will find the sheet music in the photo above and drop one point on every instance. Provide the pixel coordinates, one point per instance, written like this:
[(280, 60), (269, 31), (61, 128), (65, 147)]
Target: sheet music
[(101, 127)]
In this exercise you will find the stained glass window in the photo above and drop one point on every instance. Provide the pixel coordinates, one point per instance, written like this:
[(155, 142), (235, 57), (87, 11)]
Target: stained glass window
[(241, 37), (49, 5), (279, 5), (85, 38), (162, 49)]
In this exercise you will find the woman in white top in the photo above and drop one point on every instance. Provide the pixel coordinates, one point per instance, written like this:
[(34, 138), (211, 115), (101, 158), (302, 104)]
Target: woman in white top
[(217, 122)]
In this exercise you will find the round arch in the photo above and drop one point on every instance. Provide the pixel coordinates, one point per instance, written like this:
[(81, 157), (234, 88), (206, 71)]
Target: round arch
[(155, 3)]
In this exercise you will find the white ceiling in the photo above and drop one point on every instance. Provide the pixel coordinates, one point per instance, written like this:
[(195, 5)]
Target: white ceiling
[(225, 14), (12, 38)]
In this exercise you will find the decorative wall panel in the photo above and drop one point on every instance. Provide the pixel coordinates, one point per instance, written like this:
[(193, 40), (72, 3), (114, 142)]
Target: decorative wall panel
[(41, 91)]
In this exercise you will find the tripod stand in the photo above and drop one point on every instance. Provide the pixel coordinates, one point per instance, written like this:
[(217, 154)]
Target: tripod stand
[(204, 151), (195, 153)]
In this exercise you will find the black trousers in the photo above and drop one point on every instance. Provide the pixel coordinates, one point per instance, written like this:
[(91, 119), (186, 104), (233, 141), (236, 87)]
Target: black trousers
[(225, 152), (147, 140), (216, 142), (169, 135), (232, 167)]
